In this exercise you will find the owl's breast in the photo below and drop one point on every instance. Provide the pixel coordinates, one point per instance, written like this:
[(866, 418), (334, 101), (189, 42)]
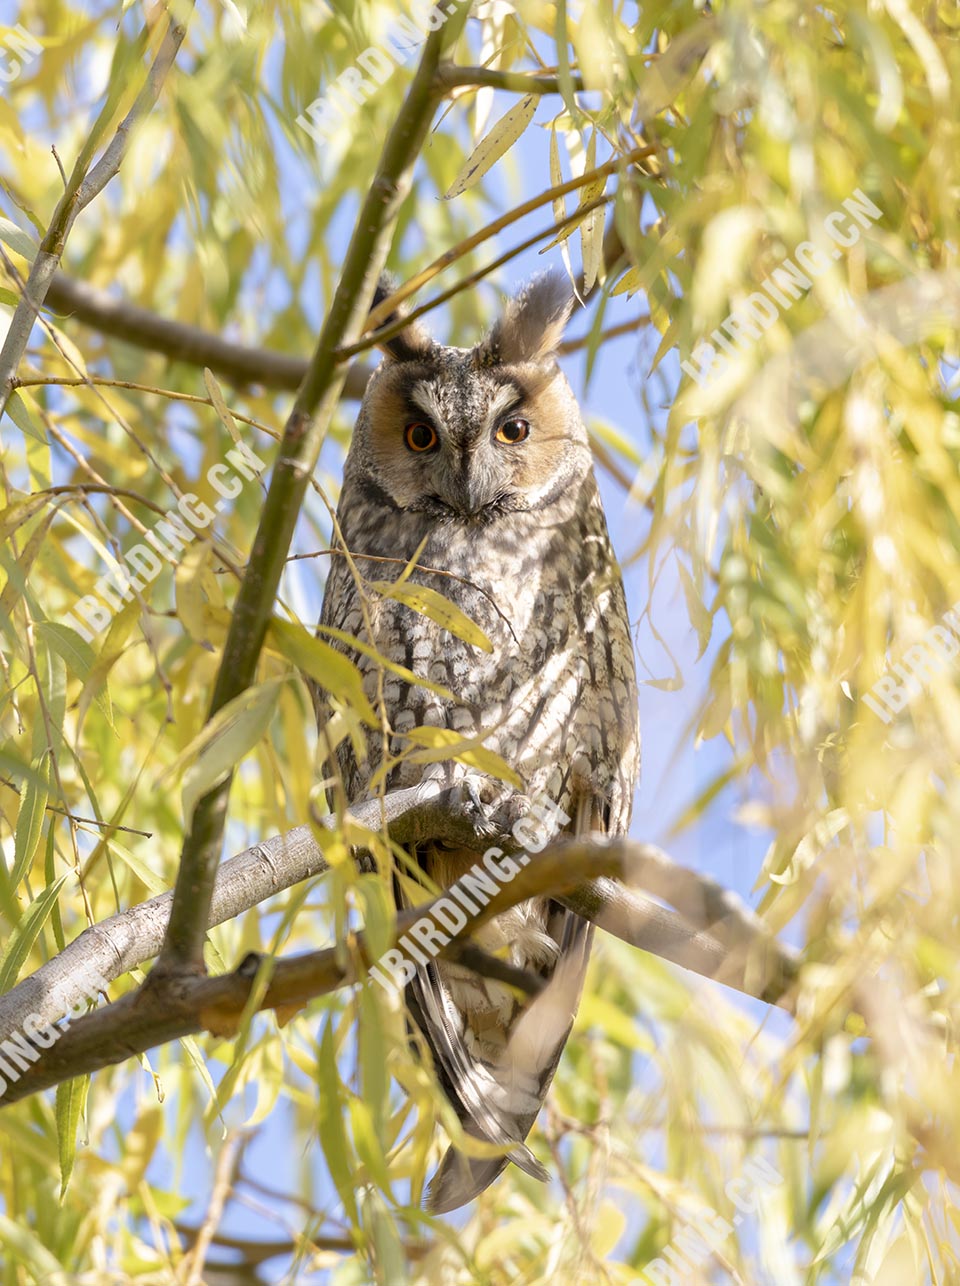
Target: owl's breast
[(555, 694)]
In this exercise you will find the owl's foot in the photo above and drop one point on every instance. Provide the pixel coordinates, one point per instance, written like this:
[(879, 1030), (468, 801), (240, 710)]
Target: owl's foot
[(487, 806), (478, 799)]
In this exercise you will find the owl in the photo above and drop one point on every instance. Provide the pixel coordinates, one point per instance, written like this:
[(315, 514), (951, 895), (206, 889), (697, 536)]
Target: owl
[(478, 458)]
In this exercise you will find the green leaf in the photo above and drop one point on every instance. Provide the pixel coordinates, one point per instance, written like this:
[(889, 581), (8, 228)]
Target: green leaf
[(80, 659), (493, 145), (21, 511), (379, 918), (700, 616), (148, 878), (327, 666), (444, 744), (227, 738), (49, 875), (428, 602), (330, 1123), (374, 1057), (71, 1100), (220, 406), (369, 1146), (17, 239), (33, 803), (78, 656), (592, 227), (16, 408), (96, 681), (388, 1253), (26, 933), (408, 676), (19, 569), (193, 1051), (24, 1247)]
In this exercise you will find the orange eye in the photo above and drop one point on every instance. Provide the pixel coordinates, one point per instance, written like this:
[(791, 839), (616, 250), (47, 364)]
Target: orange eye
[(513, 431), (420, 437)]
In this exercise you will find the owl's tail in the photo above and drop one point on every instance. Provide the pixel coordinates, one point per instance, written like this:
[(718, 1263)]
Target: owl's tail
[(498, 1101), (460, 1178)]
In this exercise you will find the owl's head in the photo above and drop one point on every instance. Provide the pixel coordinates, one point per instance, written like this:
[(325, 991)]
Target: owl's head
[(470, 434)]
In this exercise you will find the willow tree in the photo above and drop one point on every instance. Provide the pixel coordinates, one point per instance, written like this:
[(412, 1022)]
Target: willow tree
[(197, 204)]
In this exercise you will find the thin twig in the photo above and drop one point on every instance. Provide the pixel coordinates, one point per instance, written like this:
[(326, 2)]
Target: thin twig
[(124, 941), (610, 332), (384, 333), (450, 76), (243, 364), (98, 381), (191, 1268), (389, 305), (82, 821), (428, 571)]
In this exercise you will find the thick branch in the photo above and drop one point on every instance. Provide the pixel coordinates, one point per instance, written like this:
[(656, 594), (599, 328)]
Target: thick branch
[(717, 937), (299, 450), (736, 948), (188, 1004), (81, 189), (242, 364)]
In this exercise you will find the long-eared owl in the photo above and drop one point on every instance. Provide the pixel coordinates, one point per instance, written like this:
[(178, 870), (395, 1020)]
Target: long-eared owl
[(482, 454)]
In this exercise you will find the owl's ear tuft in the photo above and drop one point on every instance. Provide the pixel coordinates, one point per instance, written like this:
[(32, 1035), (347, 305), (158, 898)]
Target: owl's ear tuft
[(414, 341), (532, 325)]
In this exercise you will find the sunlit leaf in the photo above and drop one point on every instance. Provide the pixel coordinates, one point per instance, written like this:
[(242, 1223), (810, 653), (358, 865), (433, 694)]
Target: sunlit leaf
[(495, 144), (71, 1101), (429, 602), (226, 739)]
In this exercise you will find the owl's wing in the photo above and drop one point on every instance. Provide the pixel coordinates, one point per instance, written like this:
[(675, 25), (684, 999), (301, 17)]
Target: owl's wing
[(499, 1101)]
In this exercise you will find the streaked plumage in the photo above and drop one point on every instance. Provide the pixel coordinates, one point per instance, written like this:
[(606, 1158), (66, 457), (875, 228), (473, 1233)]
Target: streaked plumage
[(520, 526)]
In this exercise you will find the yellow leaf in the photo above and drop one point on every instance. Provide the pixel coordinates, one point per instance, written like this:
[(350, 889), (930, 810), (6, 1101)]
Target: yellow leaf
[(21, 411), (69, 351), (190, 581), (606, 1229), (327, 666), (229, 736), (408, 676), (439, 609), (220, 406), (18, 240), (591, 229), (494, 145), (444, 743)]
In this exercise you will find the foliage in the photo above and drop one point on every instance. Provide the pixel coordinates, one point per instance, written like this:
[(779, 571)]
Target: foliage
[(816, 527)]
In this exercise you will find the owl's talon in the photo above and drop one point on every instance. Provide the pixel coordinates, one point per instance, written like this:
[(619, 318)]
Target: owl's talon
[(476, 807), (473, 794)]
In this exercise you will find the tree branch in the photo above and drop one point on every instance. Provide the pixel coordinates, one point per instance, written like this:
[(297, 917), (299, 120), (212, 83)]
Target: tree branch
[(568, 870), (716, 936), (82, 187), (450, 76), (242, 364)]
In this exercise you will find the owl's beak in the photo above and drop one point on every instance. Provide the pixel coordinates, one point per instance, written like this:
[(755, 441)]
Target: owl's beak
[(471, 493)]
